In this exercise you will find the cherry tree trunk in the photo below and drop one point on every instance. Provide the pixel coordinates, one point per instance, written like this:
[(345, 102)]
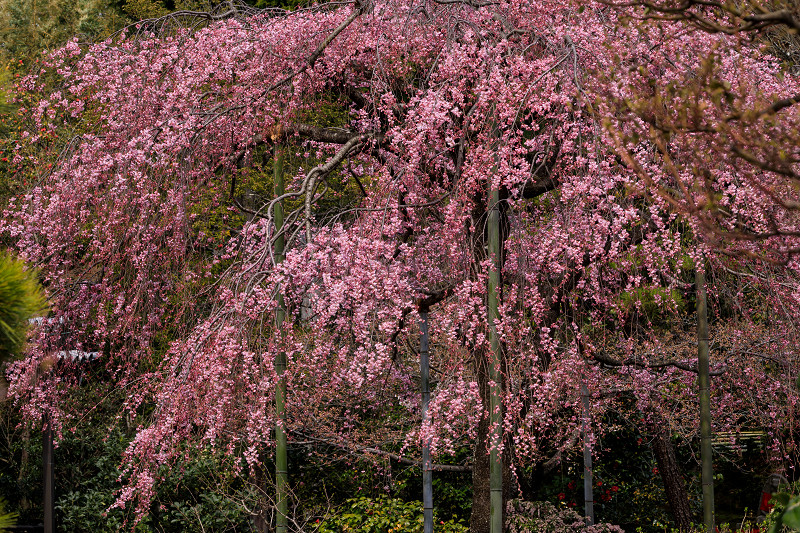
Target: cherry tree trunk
[(481, 488), (672, 477), (479, 520), (261, 514)]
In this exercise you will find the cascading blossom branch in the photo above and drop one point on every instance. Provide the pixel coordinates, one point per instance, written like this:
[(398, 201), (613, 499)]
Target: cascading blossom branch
[(439, 103)]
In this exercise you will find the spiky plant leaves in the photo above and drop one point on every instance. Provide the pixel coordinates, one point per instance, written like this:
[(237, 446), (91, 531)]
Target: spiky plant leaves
[(21, 298), (7, 520)]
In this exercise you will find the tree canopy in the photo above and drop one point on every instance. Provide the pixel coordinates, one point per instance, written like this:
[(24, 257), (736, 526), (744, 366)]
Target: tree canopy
[(624, 154)]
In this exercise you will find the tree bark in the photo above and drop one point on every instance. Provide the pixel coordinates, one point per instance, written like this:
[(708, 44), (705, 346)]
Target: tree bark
[(479, 519), (262, 511), (672, 477)]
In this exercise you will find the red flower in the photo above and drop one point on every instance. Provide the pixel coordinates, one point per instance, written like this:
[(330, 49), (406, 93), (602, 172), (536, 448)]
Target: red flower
[(614, 488), (561, 495)]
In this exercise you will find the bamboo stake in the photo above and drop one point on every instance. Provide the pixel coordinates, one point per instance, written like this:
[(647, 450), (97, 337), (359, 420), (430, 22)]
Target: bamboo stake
[(495, 374), (704, 381), (281, 458)]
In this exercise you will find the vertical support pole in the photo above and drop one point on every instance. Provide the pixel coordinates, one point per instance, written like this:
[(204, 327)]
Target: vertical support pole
[(281, 457), (495, 371), (704, 384), (47, 470), (588, 494), (424, 372)]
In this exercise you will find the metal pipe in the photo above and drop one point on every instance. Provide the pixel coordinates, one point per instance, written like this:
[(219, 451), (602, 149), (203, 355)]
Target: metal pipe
[(427, 474)]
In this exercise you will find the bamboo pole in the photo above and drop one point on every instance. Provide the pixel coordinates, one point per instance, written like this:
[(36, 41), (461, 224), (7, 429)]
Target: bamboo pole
[(281, 458), (495, 371), (704, 382)]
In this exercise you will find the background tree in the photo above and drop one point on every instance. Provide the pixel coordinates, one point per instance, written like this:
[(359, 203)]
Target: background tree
[(747, 127)]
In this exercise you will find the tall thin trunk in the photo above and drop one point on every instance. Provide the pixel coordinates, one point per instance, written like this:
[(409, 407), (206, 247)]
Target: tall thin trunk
[(427, 476), (704, 381), (671, 475), (495, 368), (24, 461), (281, 457), (479, 517)]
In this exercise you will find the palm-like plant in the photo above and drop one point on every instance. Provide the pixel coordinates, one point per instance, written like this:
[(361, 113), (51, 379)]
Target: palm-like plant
[(21, 297), (7, 520)]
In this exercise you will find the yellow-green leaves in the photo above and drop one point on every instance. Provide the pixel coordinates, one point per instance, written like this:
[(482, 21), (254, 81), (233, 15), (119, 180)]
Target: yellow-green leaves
[(21, 298)]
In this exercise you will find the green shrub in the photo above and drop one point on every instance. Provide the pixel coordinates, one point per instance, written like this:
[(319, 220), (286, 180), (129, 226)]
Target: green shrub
[(383, 515), (785, 513), (200, 496)]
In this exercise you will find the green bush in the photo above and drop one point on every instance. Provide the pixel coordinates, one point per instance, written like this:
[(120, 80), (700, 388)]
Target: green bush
[(785, 513), (200, 496), (383, 515)]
